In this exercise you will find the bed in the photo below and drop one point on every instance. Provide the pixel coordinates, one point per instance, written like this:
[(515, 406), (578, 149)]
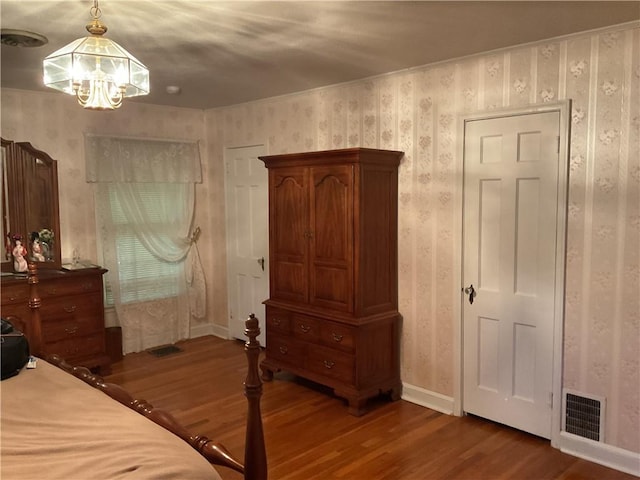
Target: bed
[(63, 422)]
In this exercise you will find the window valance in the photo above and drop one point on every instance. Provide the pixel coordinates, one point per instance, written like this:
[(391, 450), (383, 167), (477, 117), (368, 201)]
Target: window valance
[(133, 160)]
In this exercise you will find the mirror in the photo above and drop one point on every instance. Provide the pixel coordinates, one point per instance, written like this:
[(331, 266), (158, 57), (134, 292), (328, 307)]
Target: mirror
[(31, 220), (4, 227)]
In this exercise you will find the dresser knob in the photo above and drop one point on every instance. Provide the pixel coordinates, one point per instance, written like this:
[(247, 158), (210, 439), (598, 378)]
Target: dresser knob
[(284, 350), (329, 364), (337, 337), (71, 330), (304, 328)]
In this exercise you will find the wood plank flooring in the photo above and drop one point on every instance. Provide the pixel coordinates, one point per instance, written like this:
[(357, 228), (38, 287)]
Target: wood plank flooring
[(310, 436)]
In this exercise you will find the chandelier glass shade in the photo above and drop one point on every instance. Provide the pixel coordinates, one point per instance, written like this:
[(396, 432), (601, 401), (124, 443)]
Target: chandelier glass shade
[(98, 71)]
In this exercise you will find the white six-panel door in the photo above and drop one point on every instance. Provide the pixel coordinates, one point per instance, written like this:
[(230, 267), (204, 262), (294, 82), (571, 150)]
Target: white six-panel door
[(247, 199), (509, 256)]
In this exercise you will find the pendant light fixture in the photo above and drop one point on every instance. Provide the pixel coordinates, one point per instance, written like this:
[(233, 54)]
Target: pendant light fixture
[(98, 71)]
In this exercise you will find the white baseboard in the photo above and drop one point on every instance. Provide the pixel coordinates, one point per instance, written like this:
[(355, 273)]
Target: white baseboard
[(209, 329), (602, 453), (426, 398), (597, 452)]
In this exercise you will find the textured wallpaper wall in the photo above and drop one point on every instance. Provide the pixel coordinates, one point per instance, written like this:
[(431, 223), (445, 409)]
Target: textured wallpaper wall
[(56, 124), (418, 111)]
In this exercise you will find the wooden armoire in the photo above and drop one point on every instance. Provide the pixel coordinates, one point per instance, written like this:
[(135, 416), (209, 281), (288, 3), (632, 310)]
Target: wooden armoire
[(332, 313)]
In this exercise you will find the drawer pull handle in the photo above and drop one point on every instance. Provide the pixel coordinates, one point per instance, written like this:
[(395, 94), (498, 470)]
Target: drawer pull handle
[(337, 337), (52, 291), (71, 330), (304, 328), (70, 309), (276, 322), (329, 364), (284, 350)]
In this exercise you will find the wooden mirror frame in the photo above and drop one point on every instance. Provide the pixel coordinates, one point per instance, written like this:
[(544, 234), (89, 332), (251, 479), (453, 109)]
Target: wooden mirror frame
[(29, 200)]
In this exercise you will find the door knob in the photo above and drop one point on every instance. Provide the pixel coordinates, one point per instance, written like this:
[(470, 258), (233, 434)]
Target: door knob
[(471, 292), (261, 262)]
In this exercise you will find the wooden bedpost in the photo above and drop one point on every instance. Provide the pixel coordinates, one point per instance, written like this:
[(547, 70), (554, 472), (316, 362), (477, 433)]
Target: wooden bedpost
[(255, 456), (34, 324)]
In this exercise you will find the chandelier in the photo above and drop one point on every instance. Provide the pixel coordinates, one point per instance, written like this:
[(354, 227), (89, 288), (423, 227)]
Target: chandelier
[(98, 71)]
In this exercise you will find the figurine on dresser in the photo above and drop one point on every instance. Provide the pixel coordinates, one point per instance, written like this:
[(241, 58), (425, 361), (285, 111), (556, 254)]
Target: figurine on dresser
[(19, 255), (36, 247), (46, 238)]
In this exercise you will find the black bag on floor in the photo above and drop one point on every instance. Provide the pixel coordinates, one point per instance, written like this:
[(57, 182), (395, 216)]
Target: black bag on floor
[(15, 350)]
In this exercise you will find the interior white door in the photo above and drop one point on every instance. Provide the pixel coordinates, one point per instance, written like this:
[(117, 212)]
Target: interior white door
[(246, 191), (511, 169)]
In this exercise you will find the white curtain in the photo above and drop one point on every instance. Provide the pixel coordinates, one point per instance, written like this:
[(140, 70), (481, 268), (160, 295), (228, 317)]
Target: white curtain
[(151, 184)]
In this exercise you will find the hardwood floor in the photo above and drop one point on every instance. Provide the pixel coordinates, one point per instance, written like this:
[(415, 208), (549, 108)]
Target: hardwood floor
[(310, 436)]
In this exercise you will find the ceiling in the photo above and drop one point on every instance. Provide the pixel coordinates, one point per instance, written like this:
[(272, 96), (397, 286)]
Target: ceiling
[(225, 53)]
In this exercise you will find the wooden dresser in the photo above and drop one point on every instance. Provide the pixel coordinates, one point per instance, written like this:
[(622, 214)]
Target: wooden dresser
[(71, 314), (332, 313)]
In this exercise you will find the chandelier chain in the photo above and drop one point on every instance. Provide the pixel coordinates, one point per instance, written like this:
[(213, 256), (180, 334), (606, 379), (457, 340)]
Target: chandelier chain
[(95, 11)]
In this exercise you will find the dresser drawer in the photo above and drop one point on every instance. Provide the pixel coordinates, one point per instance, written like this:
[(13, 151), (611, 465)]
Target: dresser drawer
[(70, 327), (306, 328), (76, 347), (331, 363), (14, 294), (278, 320), (286, 349), (71, 317), (72, 307), (70, 286), (20, 310), (336, 335), (19, 315)]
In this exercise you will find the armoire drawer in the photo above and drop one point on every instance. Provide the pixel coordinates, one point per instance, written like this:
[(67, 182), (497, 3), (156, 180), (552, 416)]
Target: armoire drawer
[(306, 328), (278, 320), (331, 363), (336, 335), (286, 349)]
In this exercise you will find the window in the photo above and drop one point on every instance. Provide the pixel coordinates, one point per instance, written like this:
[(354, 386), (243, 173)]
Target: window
[(145, 204), (142, 276)]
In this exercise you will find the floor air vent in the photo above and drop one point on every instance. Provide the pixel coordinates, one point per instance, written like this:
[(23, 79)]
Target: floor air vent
[(164, 351), (584, 415)]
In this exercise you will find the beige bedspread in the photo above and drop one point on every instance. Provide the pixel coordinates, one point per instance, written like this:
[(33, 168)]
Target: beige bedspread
[(54, 426)]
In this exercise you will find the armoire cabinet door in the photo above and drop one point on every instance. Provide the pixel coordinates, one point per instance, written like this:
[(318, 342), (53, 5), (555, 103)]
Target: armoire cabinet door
[(331, 239), (289, 233)]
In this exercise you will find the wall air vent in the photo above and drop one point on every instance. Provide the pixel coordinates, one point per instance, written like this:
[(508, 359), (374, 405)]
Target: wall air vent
[(583, 415)]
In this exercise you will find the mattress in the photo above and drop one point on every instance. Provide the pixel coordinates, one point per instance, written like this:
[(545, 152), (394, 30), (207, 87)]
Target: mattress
[(54, 426)]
